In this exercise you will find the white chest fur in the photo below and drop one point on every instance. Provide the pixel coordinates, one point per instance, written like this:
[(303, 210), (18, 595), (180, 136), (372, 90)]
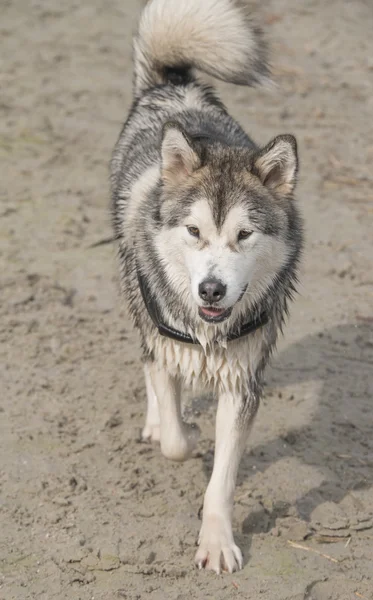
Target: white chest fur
[(218, 368)]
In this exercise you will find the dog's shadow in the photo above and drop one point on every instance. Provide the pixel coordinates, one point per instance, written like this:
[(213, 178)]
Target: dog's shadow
[(337, 441)]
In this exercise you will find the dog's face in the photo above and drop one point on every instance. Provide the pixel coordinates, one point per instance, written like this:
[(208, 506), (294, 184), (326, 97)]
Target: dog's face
[(226, 231)]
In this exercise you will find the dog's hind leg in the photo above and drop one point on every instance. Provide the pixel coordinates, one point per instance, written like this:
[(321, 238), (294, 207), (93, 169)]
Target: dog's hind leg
[(217, 550), (151, 430), (177, 438)]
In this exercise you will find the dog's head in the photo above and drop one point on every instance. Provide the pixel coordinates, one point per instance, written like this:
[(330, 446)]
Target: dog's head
[(226, 218)]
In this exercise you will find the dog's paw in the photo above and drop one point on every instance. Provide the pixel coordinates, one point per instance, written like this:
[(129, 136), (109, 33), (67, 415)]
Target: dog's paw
[(180, 444), (217, 550), (151, 433)]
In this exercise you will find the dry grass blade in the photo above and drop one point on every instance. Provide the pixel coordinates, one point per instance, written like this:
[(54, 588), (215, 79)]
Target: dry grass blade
[(346, 180), (308, 549)]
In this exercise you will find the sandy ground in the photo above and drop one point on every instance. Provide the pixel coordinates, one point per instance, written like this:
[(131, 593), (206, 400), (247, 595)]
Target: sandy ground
[(86, 511)]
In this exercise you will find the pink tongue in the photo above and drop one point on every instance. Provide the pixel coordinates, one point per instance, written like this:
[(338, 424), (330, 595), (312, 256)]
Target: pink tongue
[(212, 312)]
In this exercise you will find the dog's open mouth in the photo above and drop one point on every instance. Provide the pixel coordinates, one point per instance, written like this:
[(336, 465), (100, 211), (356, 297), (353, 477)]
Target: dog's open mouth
[(211, 314)]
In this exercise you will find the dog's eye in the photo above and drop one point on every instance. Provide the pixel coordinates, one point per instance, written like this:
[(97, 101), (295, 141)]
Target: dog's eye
[(194, 231), (244, 234)]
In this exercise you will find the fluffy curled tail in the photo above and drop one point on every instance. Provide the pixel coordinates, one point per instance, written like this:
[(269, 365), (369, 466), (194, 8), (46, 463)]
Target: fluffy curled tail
[(214, 36)]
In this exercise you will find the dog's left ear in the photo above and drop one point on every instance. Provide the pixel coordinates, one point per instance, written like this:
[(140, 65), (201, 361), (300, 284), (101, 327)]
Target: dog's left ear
[(179, 157), (277, 165)]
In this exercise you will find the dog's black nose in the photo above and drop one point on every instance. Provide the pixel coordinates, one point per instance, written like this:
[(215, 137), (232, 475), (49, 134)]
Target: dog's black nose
[(212, 290)]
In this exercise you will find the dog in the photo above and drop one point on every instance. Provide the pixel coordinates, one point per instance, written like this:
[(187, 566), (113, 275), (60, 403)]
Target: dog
[(209, 238)]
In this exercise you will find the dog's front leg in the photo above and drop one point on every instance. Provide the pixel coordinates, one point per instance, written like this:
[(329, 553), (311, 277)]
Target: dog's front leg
[(217, 550), (177, 438), (152, 429)]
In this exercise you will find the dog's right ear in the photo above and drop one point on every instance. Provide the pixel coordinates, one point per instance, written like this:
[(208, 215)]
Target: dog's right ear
[(179, 157)]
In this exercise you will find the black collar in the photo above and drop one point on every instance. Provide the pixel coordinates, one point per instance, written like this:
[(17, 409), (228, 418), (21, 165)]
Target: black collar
[(179, 336)]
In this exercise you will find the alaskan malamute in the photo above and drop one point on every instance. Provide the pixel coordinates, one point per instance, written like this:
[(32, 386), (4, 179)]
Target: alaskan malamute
[(209, 238)]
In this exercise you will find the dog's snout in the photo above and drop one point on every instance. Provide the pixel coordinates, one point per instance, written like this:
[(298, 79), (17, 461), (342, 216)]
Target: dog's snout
[(212, 290)]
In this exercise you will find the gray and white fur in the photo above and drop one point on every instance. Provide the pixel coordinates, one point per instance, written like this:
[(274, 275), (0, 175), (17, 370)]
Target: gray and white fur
[(209, 221)]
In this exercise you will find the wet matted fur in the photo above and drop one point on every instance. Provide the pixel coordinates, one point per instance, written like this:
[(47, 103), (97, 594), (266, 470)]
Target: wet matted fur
[(208, 220)]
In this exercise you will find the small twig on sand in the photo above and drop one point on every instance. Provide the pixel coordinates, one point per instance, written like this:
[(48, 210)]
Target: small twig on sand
[(360, 596), (103, 242), (301, 547), (330, 539)]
